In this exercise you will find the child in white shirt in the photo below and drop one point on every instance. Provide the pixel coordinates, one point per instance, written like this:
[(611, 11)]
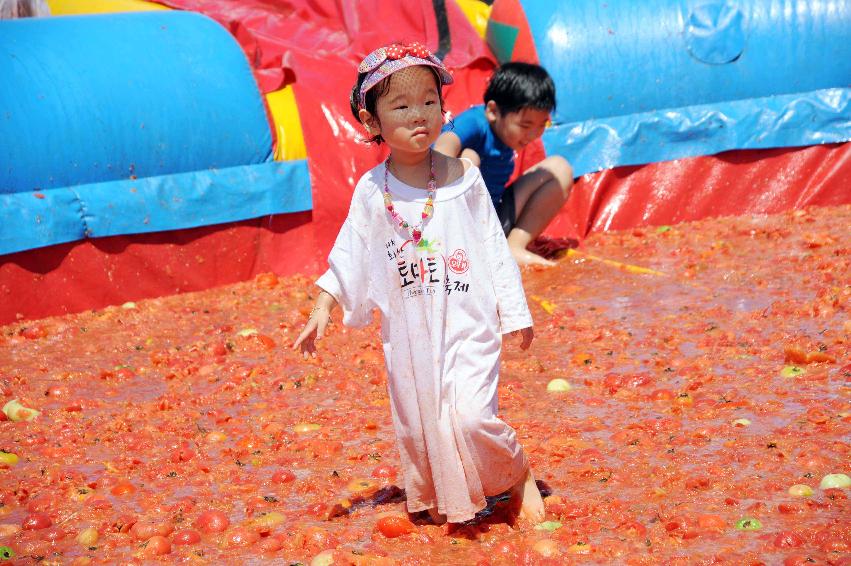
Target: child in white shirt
[(435, 263)]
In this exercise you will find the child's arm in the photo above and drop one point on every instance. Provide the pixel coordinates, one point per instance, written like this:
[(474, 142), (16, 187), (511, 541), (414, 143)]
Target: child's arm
[(315, 326), (450, 144)]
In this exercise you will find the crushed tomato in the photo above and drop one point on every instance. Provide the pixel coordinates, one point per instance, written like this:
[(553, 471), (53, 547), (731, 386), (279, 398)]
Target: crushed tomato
[(189, 421)]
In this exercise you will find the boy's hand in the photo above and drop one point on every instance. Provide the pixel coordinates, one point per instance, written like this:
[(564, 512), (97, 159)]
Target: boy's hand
[(526, 336), (313, 330)]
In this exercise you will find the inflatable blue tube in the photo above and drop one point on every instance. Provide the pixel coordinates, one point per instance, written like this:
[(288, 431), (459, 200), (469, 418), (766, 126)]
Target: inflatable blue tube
[(656, 80), (619, 57), (89, 99), (822, 116), (153, 204)]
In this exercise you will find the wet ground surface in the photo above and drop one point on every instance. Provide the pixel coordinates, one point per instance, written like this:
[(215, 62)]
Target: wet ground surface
[(708, 366)]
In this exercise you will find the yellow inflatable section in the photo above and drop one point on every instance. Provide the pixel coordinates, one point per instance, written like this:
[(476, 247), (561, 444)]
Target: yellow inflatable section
[(284, 112), (478, 13), (77, 7), (281, 103)]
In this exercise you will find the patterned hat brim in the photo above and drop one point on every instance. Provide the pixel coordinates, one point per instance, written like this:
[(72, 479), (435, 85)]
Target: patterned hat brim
[(390, 66)]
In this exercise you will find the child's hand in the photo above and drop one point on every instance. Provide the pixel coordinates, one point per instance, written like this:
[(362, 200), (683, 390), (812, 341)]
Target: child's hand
[(526, 336), (316, 324), (313, 330)]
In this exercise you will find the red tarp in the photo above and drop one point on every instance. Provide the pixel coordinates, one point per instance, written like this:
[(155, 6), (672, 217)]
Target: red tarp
[(316, 45), (727, 184), (95, 273)]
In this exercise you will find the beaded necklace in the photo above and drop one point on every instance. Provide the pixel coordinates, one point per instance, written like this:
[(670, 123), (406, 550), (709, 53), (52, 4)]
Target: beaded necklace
[(415, 231)]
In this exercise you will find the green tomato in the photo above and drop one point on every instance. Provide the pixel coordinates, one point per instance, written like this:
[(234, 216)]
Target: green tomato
[(558, 385), (792, 371), (306, 427), (748, 524), (800, 490), (831, 481), (17, 412), (6, 553), (7, 458), (324, 558), (548, 526)]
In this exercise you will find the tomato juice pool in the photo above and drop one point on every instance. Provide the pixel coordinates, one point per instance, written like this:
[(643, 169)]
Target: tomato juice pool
[(702, 401)]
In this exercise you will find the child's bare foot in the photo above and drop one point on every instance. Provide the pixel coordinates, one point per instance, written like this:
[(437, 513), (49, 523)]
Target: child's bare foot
[(524, 257), (436, 517), (528, 500)]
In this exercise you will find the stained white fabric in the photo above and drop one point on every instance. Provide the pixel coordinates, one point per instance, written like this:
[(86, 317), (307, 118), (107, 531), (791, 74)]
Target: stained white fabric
[(444, 305)]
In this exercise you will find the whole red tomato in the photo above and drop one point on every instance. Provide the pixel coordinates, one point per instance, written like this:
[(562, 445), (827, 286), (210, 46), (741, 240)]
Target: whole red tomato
[(143, 530), (186, 536), (36, 521), (283, 476), (212, 521), (393, 526), (240, 537), (788, 539), (156, 546), (122, 488), (43, 503), (271, 543)]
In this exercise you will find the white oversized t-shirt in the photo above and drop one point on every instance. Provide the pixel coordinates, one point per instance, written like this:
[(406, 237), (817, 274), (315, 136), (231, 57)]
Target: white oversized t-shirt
[(444, 305)]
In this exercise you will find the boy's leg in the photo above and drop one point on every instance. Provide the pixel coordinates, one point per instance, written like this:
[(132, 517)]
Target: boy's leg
[(538, 196)]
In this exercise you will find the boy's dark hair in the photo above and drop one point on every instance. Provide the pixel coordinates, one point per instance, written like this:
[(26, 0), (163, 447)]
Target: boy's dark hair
[(373, 94), (515, 86)]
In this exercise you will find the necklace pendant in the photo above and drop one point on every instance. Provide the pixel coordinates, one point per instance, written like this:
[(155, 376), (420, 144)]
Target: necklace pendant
[(428, 210)]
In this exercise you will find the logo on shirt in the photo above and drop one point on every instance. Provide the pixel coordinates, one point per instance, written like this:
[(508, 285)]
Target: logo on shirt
[(458, 262), (423, 270)]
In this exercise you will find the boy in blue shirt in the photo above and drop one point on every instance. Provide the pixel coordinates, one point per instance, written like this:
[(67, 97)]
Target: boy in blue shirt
[(518, 102)]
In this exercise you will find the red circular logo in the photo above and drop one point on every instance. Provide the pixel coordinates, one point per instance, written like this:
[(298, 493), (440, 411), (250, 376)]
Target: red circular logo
[(458, 261)]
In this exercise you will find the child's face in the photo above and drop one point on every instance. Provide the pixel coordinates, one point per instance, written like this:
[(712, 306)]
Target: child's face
[(409, 112), (517, 129)]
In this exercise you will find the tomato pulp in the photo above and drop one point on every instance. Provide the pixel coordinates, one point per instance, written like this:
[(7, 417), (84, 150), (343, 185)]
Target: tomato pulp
[(702, 397)]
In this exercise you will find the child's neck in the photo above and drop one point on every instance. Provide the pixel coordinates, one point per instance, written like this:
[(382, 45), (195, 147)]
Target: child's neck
[(411, 168)]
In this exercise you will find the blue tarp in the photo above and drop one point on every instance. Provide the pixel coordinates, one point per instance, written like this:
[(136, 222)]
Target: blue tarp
[(819, 117), (185, 200)]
